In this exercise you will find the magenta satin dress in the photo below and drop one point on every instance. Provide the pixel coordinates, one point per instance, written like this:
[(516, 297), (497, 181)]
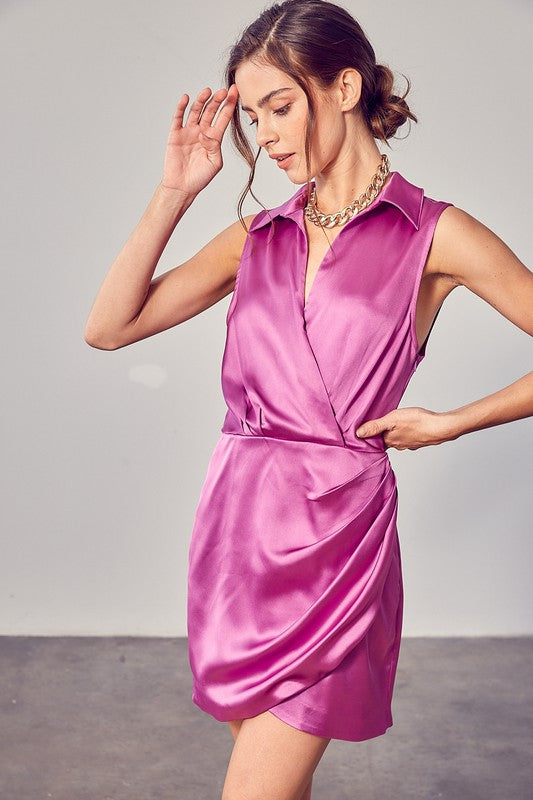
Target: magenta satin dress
[(295, 594)]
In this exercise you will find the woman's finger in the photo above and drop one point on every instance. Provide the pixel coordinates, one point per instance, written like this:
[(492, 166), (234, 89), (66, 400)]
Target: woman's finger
[(197, 106), (226, 112), (212, 107), (177, 119)]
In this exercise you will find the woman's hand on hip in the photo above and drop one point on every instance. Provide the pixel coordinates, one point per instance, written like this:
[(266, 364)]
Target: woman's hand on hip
[(409, 428)]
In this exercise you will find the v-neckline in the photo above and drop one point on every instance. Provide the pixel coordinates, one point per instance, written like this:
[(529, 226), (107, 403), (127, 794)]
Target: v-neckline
[(355, 217), (305, 303)]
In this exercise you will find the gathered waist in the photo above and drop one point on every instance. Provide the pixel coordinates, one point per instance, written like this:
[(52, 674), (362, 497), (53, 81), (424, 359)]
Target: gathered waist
[(317, 467), (358, 446)]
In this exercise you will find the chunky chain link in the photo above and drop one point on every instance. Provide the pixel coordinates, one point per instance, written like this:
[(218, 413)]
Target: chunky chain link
[(342, 217)]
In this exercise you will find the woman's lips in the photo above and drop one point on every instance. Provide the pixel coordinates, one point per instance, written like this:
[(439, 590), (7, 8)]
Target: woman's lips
[(285, 161)]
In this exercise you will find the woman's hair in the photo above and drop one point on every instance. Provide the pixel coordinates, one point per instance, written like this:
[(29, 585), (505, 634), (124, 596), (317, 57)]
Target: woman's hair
[(316, 39)]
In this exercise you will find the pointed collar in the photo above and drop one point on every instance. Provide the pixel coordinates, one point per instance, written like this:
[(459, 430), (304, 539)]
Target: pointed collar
[(398, 191)]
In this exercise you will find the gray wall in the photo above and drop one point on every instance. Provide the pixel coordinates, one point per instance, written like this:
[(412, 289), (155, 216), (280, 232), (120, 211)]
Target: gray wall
[(104, 453)]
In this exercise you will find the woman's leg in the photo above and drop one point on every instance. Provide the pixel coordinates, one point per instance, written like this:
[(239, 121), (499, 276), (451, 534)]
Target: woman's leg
[(271, 759), (235, 726)]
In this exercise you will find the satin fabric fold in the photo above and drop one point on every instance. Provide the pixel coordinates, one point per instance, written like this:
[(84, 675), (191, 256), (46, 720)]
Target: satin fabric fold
[(295, 592)]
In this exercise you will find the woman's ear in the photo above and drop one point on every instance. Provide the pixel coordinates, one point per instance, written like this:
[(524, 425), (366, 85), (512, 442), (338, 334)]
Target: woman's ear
[(350, 85)]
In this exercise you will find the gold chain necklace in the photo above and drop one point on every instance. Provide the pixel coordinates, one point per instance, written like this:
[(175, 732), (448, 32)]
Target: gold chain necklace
[(341, 217)]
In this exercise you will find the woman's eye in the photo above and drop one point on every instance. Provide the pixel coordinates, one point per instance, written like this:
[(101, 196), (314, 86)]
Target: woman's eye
[(282, 111)]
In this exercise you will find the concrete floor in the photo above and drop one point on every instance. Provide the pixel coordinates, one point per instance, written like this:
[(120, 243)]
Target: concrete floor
[(112, 719)]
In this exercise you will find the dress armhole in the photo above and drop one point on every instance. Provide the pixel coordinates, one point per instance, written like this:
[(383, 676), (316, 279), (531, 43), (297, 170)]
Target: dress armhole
[(244, 255), (430, 232)]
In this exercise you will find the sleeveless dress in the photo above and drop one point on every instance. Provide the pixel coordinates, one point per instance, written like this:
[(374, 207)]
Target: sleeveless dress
[(295, 594)]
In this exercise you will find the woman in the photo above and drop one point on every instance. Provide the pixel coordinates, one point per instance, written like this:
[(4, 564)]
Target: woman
[(295, 590)]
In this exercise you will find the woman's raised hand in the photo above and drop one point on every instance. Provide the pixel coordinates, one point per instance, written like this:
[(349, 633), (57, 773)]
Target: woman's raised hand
[(193, 155)]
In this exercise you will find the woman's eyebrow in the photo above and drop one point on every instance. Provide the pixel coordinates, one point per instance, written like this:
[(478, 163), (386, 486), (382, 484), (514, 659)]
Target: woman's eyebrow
[(267, 97)]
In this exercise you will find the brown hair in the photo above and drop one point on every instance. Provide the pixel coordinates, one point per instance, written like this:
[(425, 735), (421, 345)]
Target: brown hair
[(317, 39)]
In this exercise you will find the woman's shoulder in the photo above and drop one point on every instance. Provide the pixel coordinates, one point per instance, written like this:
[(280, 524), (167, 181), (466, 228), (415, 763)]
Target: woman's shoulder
[(457, 239)]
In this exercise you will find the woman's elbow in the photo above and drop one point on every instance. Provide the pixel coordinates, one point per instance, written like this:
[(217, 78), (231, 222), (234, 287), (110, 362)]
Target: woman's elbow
[(96, 339)]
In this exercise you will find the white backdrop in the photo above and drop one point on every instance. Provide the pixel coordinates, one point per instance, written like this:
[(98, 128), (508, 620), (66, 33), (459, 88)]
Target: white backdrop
[(104, 453)]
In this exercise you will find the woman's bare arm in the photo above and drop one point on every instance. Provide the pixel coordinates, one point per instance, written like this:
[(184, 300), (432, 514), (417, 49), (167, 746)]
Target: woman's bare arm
[(130, 305), (510, 403), (475, 257), (471, 255)]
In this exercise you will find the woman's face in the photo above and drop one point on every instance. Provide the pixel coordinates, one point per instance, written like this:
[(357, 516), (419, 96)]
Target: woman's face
[(280, 118)]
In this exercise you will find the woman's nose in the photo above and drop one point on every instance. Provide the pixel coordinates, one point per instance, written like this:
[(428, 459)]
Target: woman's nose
[(263, 136)]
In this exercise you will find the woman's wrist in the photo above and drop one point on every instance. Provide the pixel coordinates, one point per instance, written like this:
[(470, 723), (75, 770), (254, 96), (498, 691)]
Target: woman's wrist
[(511, 403), (175, 197), (452, 425)]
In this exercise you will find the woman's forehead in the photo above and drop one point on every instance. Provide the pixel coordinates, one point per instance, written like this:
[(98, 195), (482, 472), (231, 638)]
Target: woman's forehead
[(251, 71)]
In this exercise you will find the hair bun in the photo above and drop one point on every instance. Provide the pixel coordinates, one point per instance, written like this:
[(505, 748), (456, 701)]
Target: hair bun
[(387, 111)]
